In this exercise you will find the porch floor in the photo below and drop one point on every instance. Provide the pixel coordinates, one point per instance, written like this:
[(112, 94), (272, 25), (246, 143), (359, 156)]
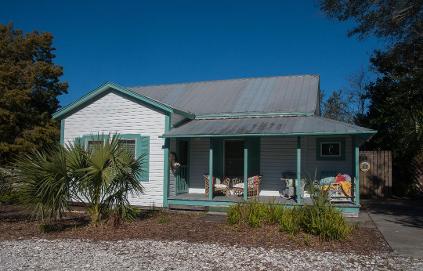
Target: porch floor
[(272, 199)]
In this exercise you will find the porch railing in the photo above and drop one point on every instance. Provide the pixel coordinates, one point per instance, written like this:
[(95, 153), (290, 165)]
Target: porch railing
[(182, 179)]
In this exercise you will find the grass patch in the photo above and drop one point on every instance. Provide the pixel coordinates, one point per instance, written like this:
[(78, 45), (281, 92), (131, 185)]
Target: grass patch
[(163, 218)]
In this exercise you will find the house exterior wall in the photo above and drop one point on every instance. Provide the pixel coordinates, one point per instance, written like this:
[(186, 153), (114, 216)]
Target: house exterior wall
[(199, 163), (113, 113), (172, 177), (310, 164), (277, 155)]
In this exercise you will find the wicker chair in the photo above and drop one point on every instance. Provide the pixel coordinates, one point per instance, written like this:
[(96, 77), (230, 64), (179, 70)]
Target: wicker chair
[(223, 188), (253, 186)]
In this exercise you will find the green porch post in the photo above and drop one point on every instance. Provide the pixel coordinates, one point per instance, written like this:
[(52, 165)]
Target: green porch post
[(210, 171), (166, 168), (245, 194), (166, 173), (356, 172), (298, 180), (62, 132)]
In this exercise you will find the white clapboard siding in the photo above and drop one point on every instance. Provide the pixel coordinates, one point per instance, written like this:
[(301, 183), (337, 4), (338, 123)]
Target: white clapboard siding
[(113, 113), (199, 162)]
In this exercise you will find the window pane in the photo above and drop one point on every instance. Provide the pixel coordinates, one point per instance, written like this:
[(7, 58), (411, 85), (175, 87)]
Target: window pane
[(92, 144), (331, 149), (128, 145)]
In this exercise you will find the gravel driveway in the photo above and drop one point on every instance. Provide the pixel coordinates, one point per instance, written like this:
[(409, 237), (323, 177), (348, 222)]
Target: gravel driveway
[(38, 254)]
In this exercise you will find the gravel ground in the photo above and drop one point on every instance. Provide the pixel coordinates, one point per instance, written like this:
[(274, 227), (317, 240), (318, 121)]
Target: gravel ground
[(39, 254)]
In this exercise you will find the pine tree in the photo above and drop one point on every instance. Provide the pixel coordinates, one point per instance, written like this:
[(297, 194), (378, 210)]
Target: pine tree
[(29, 87)]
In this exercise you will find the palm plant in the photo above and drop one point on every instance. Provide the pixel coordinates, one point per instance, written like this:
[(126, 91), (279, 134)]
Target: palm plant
[(110, 175), (102, 178), (44, 182)]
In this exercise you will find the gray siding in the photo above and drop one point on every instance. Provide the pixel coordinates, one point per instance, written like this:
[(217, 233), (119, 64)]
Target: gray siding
[(172, 178), (199, 157), (310, 165), (278, 154)]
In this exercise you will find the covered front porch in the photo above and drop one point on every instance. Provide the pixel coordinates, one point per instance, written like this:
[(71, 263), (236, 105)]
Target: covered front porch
[(217, 163), (268, 169)]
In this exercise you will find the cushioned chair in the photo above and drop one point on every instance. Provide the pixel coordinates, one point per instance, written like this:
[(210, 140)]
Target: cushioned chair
[(219, 187), (253, 188)]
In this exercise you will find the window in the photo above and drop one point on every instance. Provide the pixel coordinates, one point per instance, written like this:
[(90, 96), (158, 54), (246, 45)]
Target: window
[(92, 144), (129, 145), (137, 145), (330, 149)]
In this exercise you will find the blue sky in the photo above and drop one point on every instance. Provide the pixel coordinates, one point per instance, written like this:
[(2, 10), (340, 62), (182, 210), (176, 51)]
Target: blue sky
[(154, 42)]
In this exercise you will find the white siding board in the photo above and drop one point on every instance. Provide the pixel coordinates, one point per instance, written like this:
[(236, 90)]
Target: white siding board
[(112, 113)]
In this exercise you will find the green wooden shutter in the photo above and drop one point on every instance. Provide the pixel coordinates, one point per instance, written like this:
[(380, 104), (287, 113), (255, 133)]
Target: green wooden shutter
[(217, 145), (78, 141), (253, 156), (144, 148)]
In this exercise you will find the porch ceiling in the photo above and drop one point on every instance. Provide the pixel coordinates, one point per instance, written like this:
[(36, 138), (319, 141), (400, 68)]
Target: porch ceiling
[(266, 126)]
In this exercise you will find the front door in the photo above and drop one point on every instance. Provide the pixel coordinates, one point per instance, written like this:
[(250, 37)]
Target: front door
[(234, 158)]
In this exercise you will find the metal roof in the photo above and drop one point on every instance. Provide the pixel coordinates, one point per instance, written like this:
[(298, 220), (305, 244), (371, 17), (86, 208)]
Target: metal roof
[(266, 126), (282, 94)]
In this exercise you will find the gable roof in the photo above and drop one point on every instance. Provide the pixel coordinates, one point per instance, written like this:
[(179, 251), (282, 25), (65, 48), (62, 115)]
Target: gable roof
[(279, 94), (108, 87), (266, 126)]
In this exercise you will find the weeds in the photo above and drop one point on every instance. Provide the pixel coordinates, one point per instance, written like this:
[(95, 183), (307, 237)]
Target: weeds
[(163, 218)]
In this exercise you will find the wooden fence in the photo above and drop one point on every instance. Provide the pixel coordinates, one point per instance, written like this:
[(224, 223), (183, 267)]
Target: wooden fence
[(376, 182)]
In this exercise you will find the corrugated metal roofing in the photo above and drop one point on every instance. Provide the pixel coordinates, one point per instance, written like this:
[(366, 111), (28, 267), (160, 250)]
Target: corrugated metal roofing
[(282, 94), (282, 125)]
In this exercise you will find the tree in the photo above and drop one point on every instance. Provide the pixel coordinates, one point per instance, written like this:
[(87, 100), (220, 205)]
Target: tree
[(358, 93), (102, 178), (396, 96), (337, 107), (29, 87), (398, 20)]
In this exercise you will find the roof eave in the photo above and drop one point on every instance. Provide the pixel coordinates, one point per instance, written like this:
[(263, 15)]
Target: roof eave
[(109, 85), (360, 133)]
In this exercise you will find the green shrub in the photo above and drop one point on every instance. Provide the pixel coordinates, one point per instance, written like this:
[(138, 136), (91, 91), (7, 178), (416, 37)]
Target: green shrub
[(12, 197), (290, 220), (253, 213), (258, 213), (320, 219), (234, 214), (275, 212), (326, 222)]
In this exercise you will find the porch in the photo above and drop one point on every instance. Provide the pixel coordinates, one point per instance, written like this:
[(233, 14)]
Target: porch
[(284, 165)]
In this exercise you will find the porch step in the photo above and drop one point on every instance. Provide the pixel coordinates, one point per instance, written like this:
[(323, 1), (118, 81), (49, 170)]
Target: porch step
[(188, 207)]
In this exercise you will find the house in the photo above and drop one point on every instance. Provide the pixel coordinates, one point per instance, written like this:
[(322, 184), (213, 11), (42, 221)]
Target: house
[(264, 136)]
